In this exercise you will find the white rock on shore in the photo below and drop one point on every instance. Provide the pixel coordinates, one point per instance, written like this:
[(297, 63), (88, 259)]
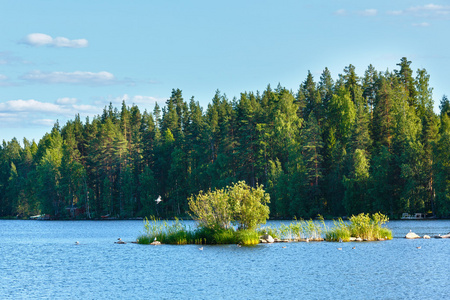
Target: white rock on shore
[(268, 238), (412, 235)]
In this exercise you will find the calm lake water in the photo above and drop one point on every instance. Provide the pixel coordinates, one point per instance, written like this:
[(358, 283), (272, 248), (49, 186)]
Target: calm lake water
[(39, 259)]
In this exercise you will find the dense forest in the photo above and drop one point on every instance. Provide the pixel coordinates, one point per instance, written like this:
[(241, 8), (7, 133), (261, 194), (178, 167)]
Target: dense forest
[(334, 147)]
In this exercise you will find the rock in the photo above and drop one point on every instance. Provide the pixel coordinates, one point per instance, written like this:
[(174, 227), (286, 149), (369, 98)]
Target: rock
[(380, 239), (268, 238), (262, 241), (412, 235), (155, 243), (426, 236), (358, 239), (352, 239), (447, 236)]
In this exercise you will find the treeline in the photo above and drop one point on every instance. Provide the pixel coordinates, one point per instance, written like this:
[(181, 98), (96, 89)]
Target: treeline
[(357, 144)]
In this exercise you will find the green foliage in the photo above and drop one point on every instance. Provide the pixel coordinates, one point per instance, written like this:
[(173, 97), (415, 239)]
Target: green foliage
[(371, 143), (247, 237), (365, 226), (176, 233), (298, 230), (212, 209), (239, 204)]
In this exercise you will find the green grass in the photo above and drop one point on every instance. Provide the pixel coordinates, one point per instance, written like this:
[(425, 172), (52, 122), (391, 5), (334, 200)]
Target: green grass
[(298, 230), (178, 234), (365, 226), (247, 237)]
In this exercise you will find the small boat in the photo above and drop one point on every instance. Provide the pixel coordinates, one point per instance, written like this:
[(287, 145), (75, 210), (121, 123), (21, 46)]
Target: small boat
[(416, 216)]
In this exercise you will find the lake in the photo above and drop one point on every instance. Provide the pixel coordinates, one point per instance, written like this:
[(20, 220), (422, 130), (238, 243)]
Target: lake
[(39, 259)]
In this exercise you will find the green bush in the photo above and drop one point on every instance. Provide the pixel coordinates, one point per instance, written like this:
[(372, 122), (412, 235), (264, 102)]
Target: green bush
[(240, 204), (363, 225)]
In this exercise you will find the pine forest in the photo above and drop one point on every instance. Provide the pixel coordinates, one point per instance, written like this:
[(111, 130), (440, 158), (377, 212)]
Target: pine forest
[(334, 147)]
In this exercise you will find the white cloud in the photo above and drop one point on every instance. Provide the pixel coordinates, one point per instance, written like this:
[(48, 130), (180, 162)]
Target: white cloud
[(44, 122), (77, 77), (32, 106), (423, 24), (340, 12), (428, 10), (136, 99), (365, 13), (368, 12), (41, 39), (3, 77), (87, 109), (66, 101)]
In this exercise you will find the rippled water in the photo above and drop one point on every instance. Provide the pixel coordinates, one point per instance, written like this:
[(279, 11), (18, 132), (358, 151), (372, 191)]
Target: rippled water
[(39, 259)]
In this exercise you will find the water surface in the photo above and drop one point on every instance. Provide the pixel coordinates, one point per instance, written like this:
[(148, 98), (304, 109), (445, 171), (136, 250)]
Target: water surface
[(39, 259)]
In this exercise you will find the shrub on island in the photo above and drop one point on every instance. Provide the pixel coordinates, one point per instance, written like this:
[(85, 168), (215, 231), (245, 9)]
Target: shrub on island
[(224, 216), (365, 226)]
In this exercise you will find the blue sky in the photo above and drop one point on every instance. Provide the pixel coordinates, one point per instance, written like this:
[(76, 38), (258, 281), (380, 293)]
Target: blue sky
[(59, 58)]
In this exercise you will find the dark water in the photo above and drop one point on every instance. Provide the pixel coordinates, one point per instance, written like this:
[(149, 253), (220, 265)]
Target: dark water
[(39, 259)]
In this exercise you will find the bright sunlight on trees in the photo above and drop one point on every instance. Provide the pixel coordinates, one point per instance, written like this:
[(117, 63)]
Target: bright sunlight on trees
[(239, 204)]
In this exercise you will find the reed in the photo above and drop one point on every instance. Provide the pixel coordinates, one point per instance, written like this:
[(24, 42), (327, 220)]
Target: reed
[(175, 233), (300, 229), (340, 232), (225, 236), (144, 239), (365, 226), (247, 237), (273, 232)]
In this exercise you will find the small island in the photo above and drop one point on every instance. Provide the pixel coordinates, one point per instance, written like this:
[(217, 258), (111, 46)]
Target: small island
[(234, 215)]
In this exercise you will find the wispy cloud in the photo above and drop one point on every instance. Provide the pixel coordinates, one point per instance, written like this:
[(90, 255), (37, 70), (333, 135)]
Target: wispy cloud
[(66, 101), (78, 77), (32, 106), (29, 113), (41, 39), (368, 12), (340, 12), (427, 11), (4, 81), (138, 99), (44, 122), (7, 58), (423, 24)]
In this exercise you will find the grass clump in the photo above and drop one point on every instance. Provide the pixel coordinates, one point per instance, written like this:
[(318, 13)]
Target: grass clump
[(340, 232), (175, 233), (364, 226), (298, 230), (247, 237), (178, 234)]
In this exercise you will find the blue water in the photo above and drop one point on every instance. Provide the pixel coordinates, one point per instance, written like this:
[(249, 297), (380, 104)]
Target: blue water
[(39, 259)]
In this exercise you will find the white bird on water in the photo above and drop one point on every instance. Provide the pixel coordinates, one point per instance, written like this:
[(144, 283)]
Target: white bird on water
[(158, 200), (77, 243), (201, 248)]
